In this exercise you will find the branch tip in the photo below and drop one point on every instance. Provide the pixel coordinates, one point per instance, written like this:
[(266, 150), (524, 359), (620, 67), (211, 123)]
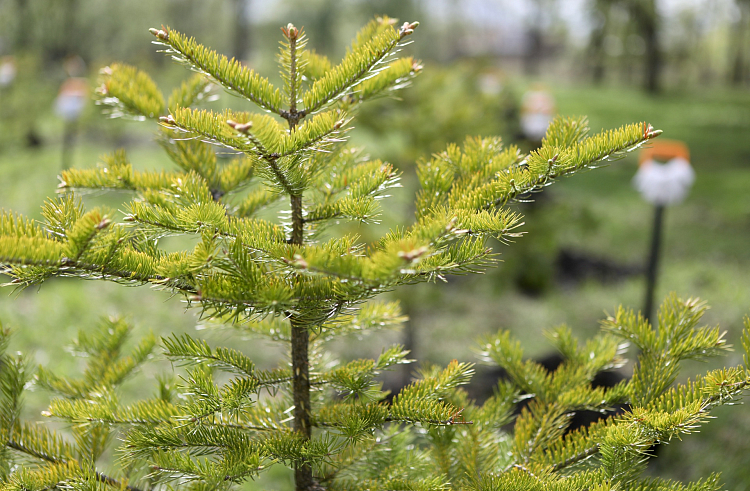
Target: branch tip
[(649, 131), (103, 224), (291, 32), (243, 128), (413, 254), (408, 28), (298, 262), (160, 33)]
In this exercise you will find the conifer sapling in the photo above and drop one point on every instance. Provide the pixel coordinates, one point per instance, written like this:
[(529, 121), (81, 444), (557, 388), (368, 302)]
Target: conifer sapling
[(288, 277)]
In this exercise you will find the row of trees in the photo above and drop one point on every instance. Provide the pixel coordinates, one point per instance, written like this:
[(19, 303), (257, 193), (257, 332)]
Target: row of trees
[(630, 41), (640, 32), (635, 29)]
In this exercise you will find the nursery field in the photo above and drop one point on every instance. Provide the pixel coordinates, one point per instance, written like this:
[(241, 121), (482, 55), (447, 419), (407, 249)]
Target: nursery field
[(596, 216)]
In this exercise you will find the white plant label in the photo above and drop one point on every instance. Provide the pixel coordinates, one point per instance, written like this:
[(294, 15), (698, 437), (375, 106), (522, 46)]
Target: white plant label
[(664, 184)]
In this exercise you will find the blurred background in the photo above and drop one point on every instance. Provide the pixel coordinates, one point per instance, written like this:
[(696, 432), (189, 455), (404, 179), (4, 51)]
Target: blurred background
[(491, 67)]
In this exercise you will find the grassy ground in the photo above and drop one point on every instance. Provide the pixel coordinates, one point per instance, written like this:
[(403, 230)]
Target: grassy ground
[(705, 254)]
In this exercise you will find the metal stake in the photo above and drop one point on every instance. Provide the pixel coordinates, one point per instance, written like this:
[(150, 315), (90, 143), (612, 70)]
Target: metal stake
[(653, 261)]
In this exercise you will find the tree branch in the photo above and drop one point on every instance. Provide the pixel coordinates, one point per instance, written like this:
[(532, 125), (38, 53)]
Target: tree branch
[(576, 458), (103, 478)]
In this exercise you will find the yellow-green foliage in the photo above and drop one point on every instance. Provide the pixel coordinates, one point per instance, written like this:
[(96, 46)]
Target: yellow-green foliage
[(282, 277), (131, 90), (359, 62), (116, 172), (224, 432), (229, 73), (314, 65), (189, 92)]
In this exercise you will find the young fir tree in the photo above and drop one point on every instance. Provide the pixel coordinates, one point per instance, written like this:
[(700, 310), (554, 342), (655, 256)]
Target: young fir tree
[(286, 281)]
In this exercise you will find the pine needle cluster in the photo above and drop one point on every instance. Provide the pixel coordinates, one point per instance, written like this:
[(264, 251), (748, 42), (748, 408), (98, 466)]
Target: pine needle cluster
[(289, 279)]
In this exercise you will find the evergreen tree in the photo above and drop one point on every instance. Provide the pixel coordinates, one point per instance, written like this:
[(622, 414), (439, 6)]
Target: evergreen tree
[(295, 282)]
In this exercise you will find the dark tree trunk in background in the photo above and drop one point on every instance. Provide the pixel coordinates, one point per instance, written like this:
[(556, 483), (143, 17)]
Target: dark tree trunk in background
[(534, 50), (410, 343), (738, 74), (70, 28), (596, 56), (241, 40), (64, 37), (653, 60), (23, 25), (647, 22), (600, 13), (409, 337), (532, 59)]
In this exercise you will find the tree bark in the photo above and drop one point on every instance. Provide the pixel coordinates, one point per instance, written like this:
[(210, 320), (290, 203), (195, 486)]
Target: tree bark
[(653, 59), (241, 39), (301, 393), (647, 22), (23, 25), (738, 72), (303, 477), (596, 56)]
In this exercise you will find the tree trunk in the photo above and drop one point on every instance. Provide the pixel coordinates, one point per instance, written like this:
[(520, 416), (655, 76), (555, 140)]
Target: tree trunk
[(653, 58), (23, 25), (647, 22), (303, 477), (739, 67), (301, 393), (300, 367), (596, 56), (71, 28), (241, 40)]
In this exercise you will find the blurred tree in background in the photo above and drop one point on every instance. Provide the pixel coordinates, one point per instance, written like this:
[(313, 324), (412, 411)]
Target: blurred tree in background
[(740, 72)]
